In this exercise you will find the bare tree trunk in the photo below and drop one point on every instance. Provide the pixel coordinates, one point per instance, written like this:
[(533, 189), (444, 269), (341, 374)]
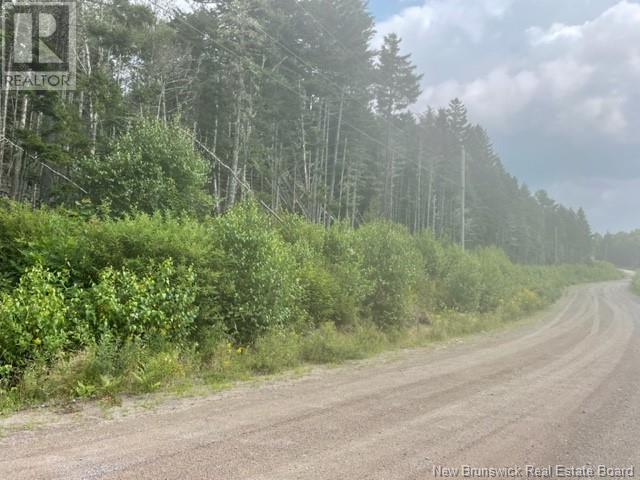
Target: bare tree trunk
[(295, 181), (93, 114), (278, 163), (418, 207), (354, 199), (233, 183), (387, 199), (316, 166), (391, 172), (17, 166), (215, 168), (442, 212), (336, 147), (430, 193), (307, 168), (325, 162), (81, 104), (344, 163), (162, 102), (274, 168), (4, 104)]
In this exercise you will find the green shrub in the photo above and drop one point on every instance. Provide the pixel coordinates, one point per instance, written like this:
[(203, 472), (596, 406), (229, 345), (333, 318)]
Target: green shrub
[(590, 272), (345, 262), (390, 263), (152, 167), (330, 270), (274, 351), (256, 288), (136, 241), (158, 368), (462, 280), (219, 359), (59, 240), (496, 278), (29, 237), (34, 320), (91, 305), (319, 289), (130, 307), (433, 254)]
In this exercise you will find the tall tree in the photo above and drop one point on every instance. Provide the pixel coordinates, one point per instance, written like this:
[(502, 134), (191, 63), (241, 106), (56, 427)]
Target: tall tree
[(397, 87)]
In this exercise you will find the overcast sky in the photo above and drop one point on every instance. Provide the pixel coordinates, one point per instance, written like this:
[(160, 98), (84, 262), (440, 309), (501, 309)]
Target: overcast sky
[(556, 83)]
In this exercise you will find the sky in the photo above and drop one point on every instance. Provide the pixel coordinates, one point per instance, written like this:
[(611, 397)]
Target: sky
[(555, 82)]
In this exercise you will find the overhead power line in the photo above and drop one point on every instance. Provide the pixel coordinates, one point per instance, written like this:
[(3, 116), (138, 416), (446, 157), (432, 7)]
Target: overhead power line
[(259, 70), (44, 164)]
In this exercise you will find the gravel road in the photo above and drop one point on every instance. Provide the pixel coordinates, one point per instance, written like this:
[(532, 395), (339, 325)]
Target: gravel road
[(563, 391)]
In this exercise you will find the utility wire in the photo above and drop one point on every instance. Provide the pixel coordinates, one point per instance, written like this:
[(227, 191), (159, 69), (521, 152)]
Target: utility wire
[(44, 164), (318, 71), (251, 63)]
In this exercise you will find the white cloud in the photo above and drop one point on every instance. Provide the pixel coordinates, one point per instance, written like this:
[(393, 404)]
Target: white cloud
[(412, 22), (565, 76), (577, 75), (418, 23), (609, 38), (605, 113), (557, 32), (494, 98), (559, 91)]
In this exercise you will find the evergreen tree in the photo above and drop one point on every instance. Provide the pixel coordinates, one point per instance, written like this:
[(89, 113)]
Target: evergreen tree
[(287, 103), (397, 87)]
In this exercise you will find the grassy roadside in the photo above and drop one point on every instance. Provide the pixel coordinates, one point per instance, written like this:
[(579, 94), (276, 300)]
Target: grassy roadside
[(635, 284), (106, 372)]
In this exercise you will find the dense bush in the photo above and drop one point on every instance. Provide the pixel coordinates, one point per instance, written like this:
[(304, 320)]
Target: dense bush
[(462, 280), (330, 269), (93, 305), (391, 265), (61, 240), (43, 316), (34, 320), (498, 280), (136, 241), (131, 307), (36, 237), (153, 167), (345, 262), (317, 288), (256, 286)]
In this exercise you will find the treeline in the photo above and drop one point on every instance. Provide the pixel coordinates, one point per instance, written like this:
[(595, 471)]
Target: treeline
[(289, 104), (93, 305), (621, 249)]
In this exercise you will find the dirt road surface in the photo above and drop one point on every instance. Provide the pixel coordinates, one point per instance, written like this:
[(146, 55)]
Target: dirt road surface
[(564, 390)]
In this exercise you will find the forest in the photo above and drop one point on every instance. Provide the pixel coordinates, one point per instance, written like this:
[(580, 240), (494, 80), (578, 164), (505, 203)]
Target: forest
[(289, 104), (245, 187), (622, 249)]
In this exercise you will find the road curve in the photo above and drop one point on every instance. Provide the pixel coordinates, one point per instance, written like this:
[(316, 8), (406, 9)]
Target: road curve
[(563, 391)]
